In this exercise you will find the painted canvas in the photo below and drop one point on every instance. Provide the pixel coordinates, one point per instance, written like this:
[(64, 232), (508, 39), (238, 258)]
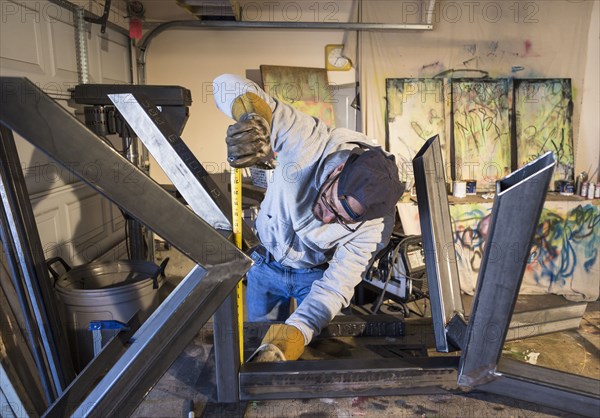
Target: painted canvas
[(306, 89), (543, 121), (415, 112), (481, 131)]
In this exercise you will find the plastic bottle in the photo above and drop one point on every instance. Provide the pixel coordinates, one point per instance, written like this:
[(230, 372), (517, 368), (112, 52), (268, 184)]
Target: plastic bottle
[(584, 189), (591, 190), (597, 192)]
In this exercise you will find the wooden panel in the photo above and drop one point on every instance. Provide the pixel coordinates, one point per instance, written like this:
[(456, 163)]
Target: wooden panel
[(63, 46), (114, 58), (85, 218), (76, 223), (21, 43), (48, 224)]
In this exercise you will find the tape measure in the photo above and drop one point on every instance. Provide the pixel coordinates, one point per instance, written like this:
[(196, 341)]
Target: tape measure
[(236, 224)]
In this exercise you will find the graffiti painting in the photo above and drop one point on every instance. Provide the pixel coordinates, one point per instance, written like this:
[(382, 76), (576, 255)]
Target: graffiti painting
[(543, 119), (306, 89), (481, 130), (564, 253), (415, 112)]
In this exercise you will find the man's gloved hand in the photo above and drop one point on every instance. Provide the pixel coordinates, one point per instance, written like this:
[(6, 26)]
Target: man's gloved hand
[(282, 342), (248, 141)]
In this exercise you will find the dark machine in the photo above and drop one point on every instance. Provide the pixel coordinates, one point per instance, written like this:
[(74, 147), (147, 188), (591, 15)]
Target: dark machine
[(397, 273)]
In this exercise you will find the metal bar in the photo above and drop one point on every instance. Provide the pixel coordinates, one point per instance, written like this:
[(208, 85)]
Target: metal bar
[(343, 378), (11, 404), (173, 155), (72, 7), (438, 242), (207, 24), (222, 24), (161, 339), (456, 331), (29, 323), (19, 365), (93, 371), (515, 216), (30, 275), (179, 163), (227, 352), (81, 50), (379, 325), (552, 388), (34, 115)]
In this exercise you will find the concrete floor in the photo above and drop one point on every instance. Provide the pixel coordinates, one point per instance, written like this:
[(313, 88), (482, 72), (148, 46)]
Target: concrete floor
[(189, 384)]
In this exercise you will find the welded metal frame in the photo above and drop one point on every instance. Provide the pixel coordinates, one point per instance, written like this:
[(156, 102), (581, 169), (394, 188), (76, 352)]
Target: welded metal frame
[(160, 140), (21, 242), (27, 110), (77, 391), (351, 377), (515, 215), (178, 162), (226, 340), (547, 387), (161, 339), (438, 243), (552, 388), (206, 199)]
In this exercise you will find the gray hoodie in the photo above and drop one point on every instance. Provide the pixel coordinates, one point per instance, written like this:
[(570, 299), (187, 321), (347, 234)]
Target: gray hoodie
[(307, 152)]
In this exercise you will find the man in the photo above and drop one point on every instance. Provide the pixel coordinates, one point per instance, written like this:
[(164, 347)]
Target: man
[(328, 211)]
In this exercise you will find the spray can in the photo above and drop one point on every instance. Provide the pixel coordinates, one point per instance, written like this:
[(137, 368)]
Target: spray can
[(591, 190), (584, 189), (597, 192), (581, 178)]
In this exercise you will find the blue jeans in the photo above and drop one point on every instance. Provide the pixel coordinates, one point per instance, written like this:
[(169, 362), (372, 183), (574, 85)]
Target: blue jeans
[(271, 286)]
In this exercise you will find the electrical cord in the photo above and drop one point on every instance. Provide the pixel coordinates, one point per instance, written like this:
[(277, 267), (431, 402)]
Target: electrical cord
[(389, 271)]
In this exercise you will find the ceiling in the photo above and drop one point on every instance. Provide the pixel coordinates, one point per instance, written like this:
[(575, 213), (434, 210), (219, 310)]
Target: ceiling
[(169, 10), (287, 11)]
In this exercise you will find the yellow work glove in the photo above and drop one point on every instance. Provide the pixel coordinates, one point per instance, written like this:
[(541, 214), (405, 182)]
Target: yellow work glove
[(282, 342), (248, 140)]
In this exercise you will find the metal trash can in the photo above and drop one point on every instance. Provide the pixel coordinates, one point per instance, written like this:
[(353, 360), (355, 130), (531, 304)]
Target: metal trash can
[(114, 290)]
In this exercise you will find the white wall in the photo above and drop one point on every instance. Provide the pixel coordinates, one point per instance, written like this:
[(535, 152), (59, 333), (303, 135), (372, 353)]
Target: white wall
[(193, 58), (37, 41), (587, 150)]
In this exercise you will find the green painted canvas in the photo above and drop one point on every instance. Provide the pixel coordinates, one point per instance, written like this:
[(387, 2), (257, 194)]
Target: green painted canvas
[(481, 131), (544, 122), (306, 89)]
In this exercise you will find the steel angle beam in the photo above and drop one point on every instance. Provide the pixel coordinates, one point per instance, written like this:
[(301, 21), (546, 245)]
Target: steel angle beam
[(76, 392), (44, 123), (179, 163), (564, 391), (343, 378), (11, 404), (226, 340), (377, 325), (25, 255), (161, 339), (515, 216), (438, 242), (165, 146)]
